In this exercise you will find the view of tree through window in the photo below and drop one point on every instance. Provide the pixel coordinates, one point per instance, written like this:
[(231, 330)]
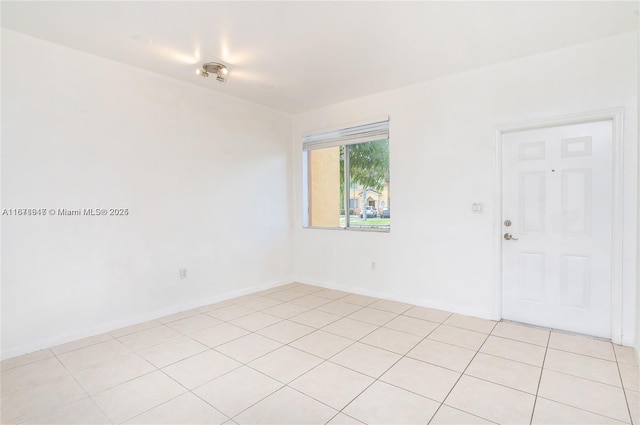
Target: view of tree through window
[(368, 185), (347, 180)]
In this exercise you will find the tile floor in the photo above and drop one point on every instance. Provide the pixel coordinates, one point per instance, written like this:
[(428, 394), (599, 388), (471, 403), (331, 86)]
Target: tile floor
[(300, 354)]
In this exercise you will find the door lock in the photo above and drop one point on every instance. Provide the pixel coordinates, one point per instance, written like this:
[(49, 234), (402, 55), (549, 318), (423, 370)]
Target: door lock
[(509, 237), (507, 223)]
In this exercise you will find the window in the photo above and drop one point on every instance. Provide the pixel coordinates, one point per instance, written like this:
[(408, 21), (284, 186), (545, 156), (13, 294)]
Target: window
[(346, 178)]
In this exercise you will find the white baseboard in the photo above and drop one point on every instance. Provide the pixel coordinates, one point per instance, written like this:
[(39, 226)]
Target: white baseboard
[(117, 324), (454, 308)]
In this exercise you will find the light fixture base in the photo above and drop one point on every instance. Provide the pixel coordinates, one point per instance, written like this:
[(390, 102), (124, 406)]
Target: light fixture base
[(219, 70)]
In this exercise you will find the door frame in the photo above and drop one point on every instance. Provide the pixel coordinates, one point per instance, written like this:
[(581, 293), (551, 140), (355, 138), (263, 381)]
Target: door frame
[(616, 116)]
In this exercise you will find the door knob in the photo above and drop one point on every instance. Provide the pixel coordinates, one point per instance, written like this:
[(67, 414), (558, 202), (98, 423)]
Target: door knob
[(509, 237)]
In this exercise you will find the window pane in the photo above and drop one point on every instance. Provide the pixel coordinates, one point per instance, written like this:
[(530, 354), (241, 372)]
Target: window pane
[(324, 187), (369, 186)]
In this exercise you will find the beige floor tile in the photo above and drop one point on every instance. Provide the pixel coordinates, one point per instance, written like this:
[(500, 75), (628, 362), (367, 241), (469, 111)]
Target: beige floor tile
[(285, 364), (286, 331), (430, 314), (29, 374), (255, 321), (630, 377), (193, 323), (93, 355), (391, 306), (248, 348), (81, 343), (273, 290), (260, 303), (412, 325), (149, 337), (174, 350), (491, 401), (464, 338), (441, 354), (310, 301), (322, 344), (134, 397), (373, 316), (602, 399), (382, 403), (633, 399), (582, 345), (349, 328), (332, 294), (583, 366), (230, 312), (184, 409), (251, 296), (218, 335), (551, 413), (471, 323), (366, 359), (25, 359), (342, 419), (201, 368), (505, 372), (392, 340), (286, 406), (179, 316), (449, 416), (79, 412), (111, 373), (286, 295), (422, 378), (234, 392), (362, 300), (332, 384), (625, 355), (315, 318), (285, 310), (339, 308), (514, 350), (218, 305), (307, 289), (135, 328), (36, 400), (521, 333)]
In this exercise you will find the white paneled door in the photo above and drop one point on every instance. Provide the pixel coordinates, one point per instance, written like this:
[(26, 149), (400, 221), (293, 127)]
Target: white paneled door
[(557, 227)]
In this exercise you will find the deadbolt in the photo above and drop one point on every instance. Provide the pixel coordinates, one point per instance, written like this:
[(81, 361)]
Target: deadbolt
[(507, 223)]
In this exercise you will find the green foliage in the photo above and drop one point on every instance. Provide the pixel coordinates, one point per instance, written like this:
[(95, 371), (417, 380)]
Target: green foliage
[(368, 163)]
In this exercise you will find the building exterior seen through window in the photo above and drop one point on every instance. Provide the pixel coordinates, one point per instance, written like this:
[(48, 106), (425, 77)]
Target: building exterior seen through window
[(348, 185)]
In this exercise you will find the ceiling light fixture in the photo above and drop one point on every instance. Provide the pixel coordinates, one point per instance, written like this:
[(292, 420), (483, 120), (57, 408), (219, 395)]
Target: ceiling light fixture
[(216, 68)]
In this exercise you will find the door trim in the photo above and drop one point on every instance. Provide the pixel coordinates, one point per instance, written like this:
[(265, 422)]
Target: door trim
[(616, 116)]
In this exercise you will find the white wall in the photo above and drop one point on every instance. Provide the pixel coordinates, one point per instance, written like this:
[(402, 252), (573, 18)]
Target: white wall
[(206, 179), (637, 336), (443, 159)]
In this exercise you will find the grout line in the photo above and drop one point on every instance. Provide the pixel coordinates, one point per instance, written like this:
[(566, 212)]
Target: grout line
[(83, 389), (618, 420), (535, 400), (461, 375), (624, 391)]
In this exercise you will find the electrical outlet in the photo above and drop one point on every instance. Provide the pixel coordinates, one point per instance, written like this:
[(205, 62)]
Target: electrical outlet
[(183, 272), (373, 265)]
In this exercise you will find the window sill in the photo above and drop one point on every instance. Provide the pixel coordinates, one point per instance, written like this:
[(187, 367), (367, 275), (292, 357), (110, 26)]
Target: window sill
[(352, 229)]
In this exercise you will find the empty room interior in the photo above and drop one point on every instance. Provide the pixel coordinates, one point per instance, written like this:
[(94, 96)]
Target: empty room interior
[(197, 224)]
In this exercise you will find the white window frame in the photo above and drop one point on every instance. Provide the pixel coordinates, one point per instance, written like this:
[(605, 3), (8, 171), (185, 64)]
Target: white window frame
[(345, 135)]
